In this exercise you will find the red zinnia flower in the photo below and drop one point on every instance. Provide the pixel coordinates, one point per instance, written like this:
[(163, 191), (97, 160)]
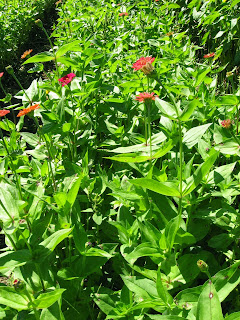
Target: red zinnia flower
[(123, 14), (4, 112), (226, 123), (140, 63), (27, 110), (209, 55), (1, 74), (145, 96), (66, 79)]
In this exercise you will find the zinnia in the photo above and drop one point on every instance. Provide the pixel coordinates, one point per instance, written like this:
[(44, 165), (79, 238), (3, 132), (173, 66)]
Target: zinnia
[(27, 110), (67, 79), (209, 55), (26, 53), (145, 97), (123, 14), (226, 123), (1, 74), (140, 63), (4, 112)]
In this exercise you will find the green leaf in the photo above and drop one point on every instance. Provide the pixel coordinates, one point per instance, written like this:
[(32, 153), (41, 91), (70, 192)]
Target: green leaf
[(225, 281), (11, 260), (162, 291), (166, 109), (40, 57), (165, 188), (201, 171), (188, 298), (171, 231), (221, 173), (235, 315), (200, 76), (188, 110), (209, 306), (72, 46), (228, 147), (192, 136), (51, 242), (54, 312), (162, 317), (45, 300), (229, 99), (10, 298)]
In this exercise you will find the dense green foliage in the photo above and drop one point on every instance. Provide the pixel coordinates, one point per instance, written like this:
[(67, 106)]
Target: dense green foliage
[(16, 21), (117, 208)]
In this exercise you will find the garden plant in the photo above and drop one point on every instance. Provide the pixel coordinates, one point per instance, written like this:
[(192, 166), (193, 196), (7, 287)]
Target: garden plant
[(122, 199)]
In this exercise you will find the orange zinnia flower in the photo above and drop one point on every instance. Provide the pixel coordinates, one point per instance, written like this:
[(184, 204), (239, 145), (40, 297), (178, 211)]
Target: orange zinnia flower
[(145, 97), (27, 110), (26, 53), (123, 14), (209, 55), (4, 112)]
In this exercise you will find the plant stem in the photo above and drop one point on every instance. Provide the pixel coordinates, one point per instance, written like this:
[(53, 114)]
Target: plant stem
[(149, 128), (36, 313)]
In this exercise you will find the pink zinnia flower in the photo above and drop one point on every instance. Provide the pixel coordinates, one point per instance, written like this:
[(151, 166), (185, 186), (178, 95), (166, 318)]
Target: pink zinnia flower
[(123, 14), (209, 55), (1, 74), (66, 79), (140, 63), (4, 112), (145, 97), (226, 123)]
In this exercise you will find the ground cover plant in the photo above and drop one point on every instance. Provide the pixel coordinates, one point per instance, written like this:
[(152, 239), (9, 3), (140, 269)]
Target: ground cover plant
[(121, 202)]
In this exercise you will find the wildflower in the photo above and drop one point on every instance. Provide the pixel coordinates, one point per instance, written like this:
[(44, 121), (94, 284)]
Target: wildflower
[(142, 62), (26, 53), (123, 14), (66, 79), (226, 123), (4, 112), (1, 74), (27, 110), (209, 55), (145, 97)]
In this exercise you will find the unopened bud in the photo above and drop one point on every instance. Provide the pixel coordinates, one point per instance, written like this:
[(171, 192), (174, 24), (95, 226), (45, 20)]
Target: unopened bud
[(202, 266), (9, 69), (39, 23), (148, 69), (19, 285)]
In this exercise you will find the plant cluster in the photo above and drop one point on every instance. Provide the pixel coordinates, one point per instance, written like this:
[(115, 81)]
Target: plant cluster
[(122, 203), (16, 22)]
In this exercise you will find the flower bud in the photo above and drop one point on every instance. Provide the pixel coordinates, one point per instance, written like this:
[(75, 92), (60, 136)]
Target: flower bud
[(9, 69), (19, 285), (39, 23), (202, 266), (148, 69)]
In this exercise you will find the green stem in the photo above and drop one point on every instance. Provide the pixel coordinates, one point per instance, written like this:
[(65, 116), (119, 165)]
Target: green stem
[(237, 118), (36, 313), (40, 276), (16, 79), (149, 128)]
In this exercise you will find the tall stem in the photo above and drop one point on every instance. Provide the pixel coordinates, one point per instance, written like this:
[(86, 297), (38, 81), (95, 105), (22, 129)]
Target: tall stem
[(149, 128)]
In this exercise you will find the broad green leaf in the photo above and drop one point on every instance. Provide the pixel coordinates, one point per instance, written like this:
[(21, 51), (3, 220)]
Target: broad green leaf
[(40, 57), (192, 136), (201, 171), (228, 147), (144, 288), (131, 158), (162, 317), (209, 306), (188, 110), (220, 174), (188, 298), (171, 231), (227, 100), (145, 249), (234, 3), (219, 34), (166, 109), (162, 291), (225, 281), (11, 260), (72, 46), (10, 298), (51, 242), (200, 76), (220, 241), (54, 312), (235, 315), (30, 138), (165, 188), (45, 300)]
